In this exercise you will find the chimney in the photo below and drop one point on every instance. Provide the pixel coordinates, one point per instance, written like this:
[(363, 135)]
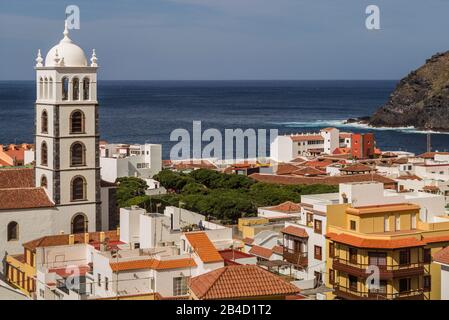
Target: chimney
[(86, 237), (101, 236), (71, 238)]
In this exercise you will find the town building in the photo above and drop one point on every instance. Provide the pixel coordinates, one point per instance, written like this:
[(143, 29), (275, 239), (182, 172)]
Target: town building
[(16, 155), (125, 160), (442, 258), (395, 233), (285, 148), (240, 282), (62, 193)]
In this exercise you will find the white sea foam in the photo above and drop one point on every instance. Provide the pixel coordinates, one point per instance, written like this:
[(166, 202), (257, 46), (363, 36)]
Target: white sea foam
[(344, 124)]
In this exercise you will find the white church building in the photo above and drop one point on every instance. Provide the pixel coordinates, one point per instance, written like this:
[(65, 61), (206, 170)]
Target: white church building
[(63, 193)]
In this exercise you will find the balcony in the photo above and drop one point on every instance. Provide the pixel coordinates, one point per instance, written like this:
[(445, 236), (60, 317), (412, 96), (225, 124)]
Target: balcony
[(387, 272), (295, 257), (353, 294)]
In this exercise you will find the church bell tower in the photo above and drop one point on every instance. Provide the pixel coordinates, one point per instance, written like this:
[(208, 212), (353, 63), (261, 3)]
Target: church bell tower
[(67, 137)]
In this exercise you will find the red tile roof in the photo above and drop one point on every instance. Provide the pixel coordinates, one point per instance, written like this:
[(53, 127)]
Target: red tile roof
[(286, 207), (430, 155), (309, 171), (24, 198), (375, 243), (153, 264), (357, 167), (16, 178), (295, 231), (409, 177), (442, 256), (328, 180), (194, 164), (232, 254), (243, 281), (261, 252), (64, 239), (203, 247), (278, 250), (286, 168), (307, 137), (248, 241)]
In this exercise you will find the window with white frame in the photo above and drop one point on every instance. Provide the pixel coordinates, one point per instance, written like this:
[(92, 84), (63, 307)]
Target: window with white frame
[(180, 286)]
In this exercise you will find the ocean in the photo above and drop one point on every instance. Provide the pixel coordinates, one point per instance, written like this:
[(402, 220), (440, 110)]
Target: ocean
[(148, 111)]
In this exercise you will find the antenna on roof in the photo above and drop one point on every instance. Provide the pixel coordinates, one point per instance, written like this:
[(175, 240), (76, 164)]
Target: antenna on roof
[(429, 142)]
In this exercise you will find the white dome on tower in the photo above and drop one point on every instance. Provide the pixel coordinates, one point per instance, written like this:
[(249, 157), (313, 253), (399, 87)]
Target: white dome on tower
[(66, 53)]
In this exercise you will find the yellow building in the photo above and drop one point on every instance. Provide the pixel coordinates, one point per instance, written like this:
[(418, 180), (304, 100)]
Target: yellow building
[(388, 243), (21, 268)]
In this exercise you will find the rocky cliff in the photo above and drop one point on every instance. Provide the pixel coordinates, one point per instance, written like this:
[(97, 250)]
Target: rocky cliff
[(420, 100)]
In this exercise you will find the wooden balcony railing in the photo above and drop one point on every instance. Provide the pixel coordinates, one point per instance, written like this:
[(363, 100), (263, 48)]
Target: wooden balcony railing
[(387, 271), (295, 257), (353, 294)]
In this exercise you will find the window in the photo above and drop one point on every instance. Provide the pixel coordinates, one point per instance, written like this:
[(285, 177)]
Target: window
[(317, 253), (397, 224), (309, 218), (317, 226), (352, 255), (44, 154), (353, 225), (79, 223), (427, 256), (106, 283), (382, 287), (404, 257), (42, 293), (99, 279), (76, 89), (13, 231), (50, 88), (44, 122), (86, 88), (413, 222), (78, 189), (44, 183), (77, 122), (386, 224), (352, 283), (377, 258), (77, 154), (404, 285), (331, 250), (65, 88), (45, 88), (180, 286), (152, 284), (41, 88), (427, 283), (331, 276)]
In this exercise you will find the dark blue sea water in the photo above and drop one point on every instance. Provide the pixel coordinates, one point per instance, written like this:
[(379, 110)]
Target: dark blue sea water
[(147, 111)]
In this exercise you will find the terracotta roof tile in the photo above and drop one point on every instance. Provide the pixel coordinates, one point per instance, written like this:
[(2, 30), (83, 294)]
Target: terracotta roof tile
[(295, 231), (328, 180), (286, 207), (152, 264), (242, 281), (375, 243), (278, 250), (442, 256), (306, 137), (248, 241), (286, 168), (396, 207), (261, 252), (203, 247), (16, 178), (64, 239), (309, 171), (357, 167), (24, 198), (409, 177)]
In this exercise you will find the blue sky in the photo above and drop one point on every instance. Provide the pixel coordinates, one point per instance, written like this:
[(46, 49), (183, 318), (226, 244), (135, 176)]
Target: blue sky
[(230, 39)]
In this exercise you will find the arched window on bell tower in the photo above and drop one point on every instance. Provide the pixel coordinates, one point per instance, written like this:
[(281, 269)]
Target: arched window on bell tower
[(86, 88), (78, 188), (44, 122), (75, 89), (50, 88), (77, 154), (44, 154), (65, 88), (41, 88), (79, 223), (45, 88), (44, 182), (77, 120)]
